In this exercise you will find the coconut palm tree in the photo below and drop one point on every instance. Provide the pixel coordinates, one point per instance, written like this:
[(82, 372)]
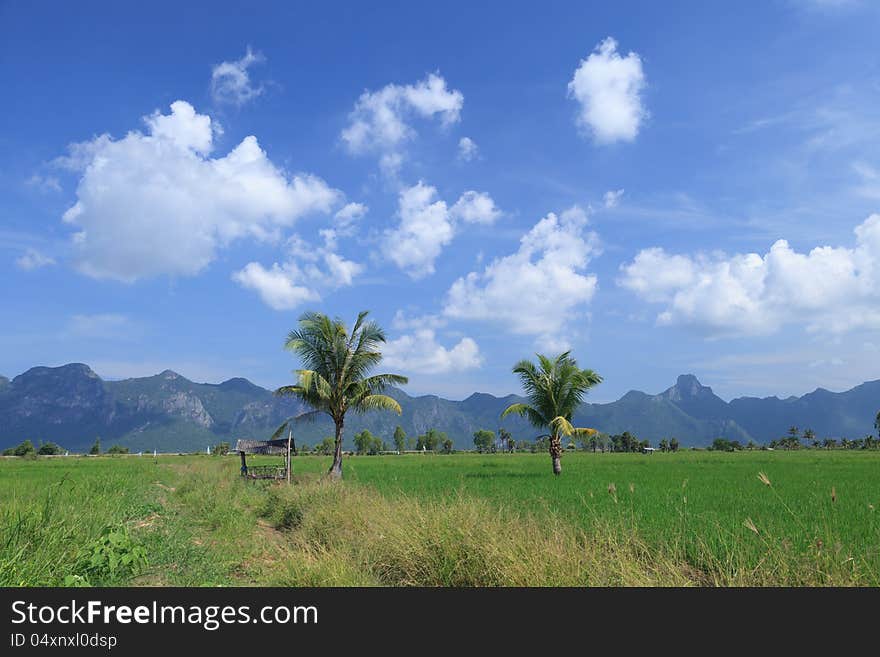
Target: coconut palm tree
[(555, 389), (336, 378)]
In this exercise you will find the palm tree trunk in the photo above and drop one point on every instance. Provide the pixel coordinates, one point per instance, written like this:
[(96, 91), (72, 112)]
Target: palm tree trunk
[(556, 453), (335, 471)]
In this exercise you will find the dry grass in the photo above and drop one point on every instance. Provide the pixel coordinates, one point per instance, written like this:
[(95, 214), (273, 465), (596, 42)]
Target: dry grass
[(343, 534)]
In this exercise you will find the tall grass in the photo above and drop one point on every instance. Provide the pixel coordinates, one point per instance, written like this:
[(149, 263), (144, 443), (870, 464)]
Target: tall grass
[(444, 521), (55, 513)]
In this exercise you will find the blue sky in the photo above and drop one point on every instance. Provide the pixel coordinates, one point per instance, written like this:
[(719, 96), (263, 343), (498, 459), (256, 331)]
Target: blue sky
[(663, 190)]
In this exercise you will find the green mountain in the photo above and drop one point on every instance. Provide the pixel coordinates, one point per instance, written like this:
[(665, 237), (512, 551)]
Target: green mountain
[(71, 405)]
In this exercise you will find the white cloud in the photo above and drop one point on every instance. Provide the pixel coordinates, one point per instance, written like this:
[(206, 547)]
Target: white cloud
[(870, 187), (32, 259), (475, 208), (425, 228), (231, 82), (612, 198), (350, 213), (608, 88), (345, 223), (536, 290), (276, 286), (402, 322), (427, 225), (341, 272), (467, 149), (44, 183), (158, 204), (829, 289), (379, 121), (421, 353), (308, 269)]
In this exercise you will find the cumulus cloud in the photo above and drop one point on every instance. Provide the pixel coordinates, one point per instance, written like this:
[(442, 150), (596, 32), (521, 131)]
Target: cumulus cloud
[(32, 259), (427, 225), (475, 208), (157, 203), (379, 121), (420, 352), (612, 198), (467, 149), (608, 88), (350, 213), (308, 269), (231, 82), (536, 290), (828, 289), (276, 286)]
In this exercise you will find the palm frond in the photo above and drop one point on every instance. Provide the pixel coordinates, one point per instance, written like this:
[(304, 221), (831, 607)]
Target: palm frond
[(280, 430), (309, 416), (560, 425), (378, 403)]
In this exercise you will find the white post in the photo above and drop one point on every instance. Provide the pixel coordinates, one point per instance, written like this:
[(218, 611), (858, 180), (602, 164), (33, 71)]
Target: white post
[(289, 435)]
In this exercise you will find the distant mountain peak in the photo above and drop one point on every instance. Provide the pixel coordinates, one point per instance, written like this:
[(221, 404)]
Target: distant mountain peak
[(169, 374), (687, 386), (62, 370), (239, 383)]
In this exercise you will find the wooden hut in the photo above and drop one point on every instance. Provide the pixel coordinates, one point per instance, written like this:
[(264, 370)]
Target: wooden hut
[(278, 447)]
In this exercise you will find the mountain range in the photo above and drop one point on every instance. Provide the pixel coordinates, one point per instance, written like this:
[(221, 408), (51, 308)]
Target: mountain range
[(71, 405)]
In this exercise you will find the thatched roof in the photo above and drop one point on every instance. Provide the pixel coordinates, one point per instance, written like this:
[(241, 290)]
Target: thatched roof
[(273, 447)]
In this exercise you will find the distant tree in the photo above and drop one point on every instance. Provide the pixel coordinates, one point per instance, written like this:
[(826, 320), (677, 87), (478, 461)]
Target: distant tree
[(792, 440), (447, 445), (117, 449), (721, 445), (399, 438), (829, 443), (484, 440), (663, 445), (25, 448), (625, 442), (49, 449), (326, 446), (96, 448), (364, 442), (220, 449), (430, 440), (877, 423), (810, 438), (673, 444), (555, 389), (751, 445), (506, 440), (411, 443), (868, 442), (337, 377)]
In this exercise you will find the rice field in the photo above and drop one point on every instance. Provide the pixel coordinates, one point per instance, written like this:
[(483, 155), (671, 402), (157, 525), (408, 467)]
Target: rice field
[(804, 518)]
